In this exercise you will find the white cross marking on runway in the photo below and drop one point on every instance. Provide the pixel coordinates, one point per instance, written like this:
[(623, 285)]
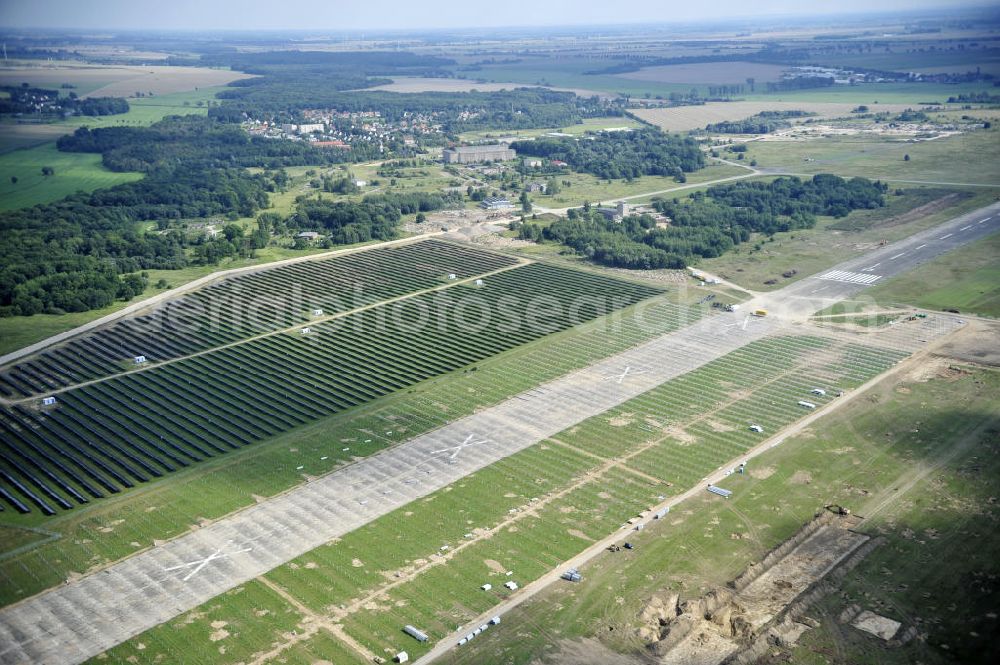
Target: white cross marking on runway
[(201, 563), (457, 449), (850, 277), (618, 378)]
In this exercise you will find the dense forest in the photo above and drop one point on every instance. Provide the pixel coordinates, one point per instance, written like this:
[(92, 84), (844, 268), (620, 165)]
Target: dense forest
[(68, 255), (25, 100), (707, 224), (288, 82), (199, 142), (764, 122), (77, 254), (614, 155)]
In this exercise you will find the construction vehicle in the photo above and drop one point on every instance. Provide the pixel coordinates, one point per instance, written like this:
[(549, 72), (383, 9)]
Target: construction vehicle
[(760, 312), (614, 548), (838, 510)]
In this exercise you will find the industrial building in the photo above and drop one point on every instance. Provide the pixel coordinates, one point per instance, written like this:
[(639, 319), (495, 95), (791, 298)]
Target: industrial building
[(496, 203), (477, 154)]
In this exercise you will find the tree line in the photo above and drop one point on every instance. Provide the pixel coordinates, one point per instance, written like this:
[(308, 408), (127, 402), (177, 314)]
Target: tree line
[(764, 122), (614, 155), (707, 224), (27, 100)]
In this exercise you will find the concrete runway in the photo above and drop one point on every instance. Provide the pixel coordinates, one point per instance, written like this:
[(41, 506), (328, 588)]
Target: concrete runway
[(81, 619)]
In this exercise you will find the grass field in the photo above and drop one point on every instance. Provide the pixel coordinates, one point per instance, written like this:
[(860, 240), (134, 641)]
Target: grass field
[(861, 456), (945, 160), (832, 241), (73, 172), (557, 497), (584, 187), (967, 279), (685, 118)]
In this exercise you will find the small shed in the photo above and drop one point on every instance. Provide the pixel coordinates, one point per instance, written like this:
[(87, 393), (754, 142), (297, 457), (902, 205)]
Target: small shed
[(452, 275), (139, 360), (757, 428), (486, 587), (306, 331), (512, 585), (402, 657), (48, 401), (317, 312), (661, 513), (495, 620), (479, 282)]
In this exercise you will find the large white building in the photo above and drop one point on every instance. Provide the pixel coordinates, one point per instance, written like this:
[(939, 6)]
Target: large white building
[(476, 154)]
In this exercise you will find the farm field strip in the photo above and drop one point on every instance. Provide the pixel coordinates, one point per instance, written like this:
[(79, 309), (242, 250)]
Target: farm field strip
[(252, 304), (251, 391)]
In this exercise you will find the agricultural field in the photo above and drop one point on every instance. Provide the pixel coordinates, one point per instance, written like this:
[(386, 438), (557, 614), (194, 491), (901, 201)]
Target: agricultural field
[(580, 485), (102, 532), (810, 250), (708, 73), (120, 80), (967, 279), (908, 456)]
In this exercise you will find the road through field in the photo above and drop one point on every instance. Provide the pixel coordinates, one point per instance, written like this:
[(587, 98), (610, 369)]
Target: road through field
[(85, 617)]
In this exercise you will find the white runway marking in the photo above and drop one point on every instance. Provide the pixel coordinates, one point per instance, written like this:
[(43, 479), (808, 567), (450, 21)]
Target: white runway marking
[(947, 235), (892, 258), (921, 247), (201, 563), (618, 378), (966, 228), (822, 288), (849, 277), (457, 449), (872, 267), (983, 221)]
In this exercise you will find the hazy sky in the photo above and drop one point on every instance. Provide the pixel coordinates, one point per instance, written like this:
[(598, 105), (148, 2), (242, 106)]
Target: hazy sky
[(331, 15)]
